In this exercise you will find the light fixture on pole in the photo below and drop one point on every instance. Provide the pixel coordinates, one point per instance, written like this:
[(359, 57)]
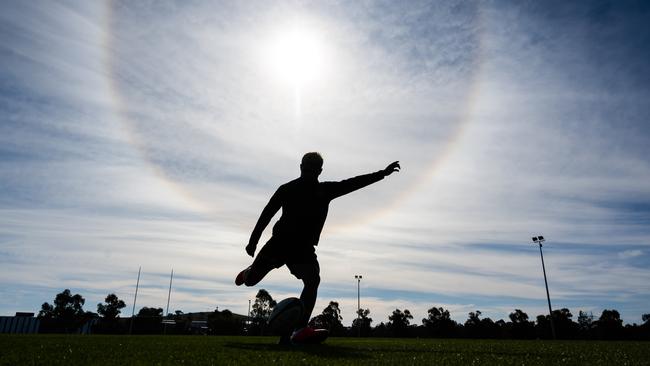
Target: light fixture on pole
[(539, 240), (358, 278)]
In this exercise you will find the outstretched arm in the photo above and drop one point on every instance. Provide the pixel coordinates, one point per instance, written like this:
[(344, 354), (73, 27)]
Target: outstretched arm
[(392, 168), (267, 214), (350, 185)]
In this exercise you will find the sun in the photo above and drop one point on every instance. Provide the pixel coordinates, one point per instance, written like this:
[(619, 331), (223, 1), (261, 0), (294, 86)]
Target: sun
[(296, 56)]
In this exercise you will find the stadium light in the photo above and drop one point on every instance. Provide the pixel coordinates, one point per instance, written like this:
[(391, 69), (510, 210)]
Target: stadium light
[(539, 240), (358, 278)]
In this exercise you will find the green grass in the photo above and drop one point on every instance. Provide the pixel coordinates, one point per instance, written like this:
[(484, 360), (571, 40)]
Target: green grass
[(203, 350)]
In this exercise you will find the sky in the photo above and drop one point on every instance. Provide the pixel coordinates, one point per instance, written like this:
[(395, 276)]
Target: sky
[(151, 134)]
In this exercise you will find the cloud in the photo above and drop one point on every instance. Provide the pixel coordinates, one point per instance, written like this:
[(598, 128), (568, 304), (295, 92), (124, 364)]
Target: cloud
[(627, 254)]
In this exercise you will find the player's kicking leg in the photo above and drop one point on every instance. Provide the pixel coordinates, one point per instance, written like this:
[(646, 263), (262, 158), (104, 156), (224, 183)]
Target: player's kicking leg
[(267, 259)]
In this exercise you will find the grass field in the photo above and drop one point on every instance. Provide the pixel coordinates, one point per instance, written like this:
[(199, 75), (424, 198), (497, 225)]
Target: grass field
[(203, 350)]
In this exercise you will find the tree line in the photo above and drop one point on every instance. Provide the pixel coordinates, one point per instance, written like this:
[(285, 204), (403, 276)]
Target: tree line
[(66, 314)]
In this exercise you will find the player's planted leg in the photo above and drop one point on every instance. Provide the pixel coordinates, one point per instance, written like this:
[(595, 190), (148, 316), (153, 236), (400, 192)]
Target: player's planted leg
[(305, 333), (308, 297)]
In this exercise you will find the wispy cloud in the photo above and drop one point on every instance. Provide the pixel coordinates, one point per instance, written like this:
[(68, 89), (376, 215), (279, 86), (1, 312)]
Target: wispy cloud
[(633, 253)]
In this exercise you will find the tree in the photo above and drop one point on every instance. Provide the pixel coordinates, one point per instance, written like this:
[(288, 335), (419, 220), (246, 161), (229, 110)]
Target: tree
[(399, 318), (147, 312), (362, 321), (518, 317), (543, 327), (439, 323), (263, 306), (47, 311), (611, 318), (473, 319), (480, 328), (66, 314), (501, 329), (179, 316), (564, 325), (260, 312), (381, 330), (148, 321), (644, 328), (66, 306), (225, 323), (585, 323), (329, 319), (399, 322), (436, 315), (111, 310), (521, 327), (610, 324)]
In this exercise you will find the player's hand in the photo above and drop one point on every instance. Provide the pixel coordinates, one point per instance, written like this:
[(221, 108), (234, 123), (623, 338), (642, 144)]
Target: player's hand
[(392, 168), (250, 249)]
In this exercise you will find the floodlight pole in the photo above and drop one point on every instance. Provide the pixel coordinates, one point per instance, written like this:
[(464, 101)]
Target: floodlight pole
[(359, 277), (539, 240), (248, 321), (137, 284), (169, 294)]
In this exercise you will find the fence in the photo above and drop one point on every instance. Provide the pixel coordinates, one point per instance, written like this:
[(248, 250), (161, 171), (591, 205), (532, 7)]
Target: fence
[(19, 324)]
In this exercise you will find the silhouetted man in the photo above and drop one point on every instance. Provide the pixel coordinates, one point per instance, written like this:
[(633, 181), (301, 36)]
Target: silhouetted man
[(304, 202)]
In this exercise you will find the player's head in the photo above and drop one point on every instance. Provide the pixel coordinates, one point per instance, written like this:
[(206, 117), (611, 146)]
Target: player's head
[(311, 165)]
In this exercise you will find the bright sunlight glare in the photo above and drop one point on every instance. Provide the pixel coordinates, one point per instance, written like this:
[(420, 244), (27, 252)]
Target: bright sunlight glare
[(296, 57)]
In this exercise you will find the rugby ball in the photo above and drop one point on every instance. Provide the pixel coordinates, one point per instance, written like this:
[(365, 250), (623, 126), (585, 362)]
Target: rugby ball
[(286, 315)]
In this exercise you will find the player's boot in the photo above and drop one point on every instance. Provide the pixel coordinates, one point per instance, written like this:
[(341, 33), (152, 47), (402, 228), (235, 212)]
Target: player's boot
[(309, 335), (241, 277), (302, 334)]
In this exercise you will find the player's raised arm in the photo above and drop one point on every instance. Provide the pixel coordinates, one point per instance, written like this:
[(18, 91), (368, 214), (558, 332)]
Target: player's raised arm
[(392, 168), (352, 184), (265, 217)]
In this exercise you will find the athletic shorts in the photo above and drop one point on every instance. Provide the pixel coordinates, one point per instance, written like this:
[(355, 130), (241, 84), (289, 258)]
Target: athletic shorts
[(302, 262)]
